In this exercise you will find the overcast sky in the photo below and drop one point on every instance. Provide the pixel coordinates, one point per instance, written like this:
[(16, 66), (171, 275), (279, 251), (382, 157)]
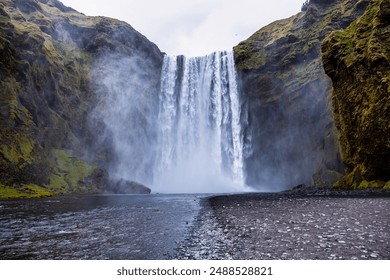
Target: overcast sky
[(192, 27)]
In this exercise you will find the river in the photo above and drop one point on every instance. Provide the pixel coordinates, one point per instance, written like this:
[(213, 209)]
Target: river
[(96, 227)]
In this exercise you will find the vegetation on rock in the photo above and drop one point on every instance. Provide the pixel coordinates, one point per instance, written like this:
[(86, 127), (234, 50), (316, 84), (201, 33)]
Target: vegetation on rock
[(358, 61), (47, 52), (294, 140), (53, 138)]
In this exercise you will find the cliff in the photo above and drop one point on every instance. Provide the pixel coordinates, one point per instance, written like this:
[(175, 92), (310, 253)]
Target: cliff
[(357, 59), (291, 128), (51, 62), (78, 99)]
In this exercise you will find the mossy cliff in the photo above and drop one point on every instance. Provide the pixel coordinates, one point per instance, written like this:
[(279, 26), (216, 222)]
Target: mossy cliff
[(63, 77), (358, 61), (48, 143), (291, 128)]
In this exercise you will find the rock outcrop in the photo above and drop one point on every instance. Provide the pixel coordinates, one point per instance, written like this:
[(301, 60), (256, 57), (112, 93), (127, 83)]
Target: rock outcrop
[(49, 143), (128, 187), (291, 128), (358, 61)]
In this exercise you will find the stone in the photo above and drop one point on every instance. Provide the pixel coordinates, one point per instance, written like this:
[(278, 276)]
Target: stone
[(128, 187)]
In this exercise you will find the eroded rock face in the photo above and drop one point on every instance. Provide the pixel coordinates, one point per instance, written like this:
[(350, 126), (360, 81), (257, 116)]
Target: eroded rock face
[(291, 128), (47, 93), (358, 61)]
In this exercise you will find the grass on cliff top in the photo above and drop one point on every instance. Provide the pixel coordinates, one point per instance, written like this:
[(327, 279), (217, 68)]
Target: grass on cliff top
[(250, 54), (297, 35)]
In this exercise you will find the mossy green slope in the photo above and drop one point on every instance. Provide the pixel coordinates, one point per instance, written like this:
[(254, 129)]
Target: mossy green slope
[(358, 61), (46, 54), (70, 174), (293, 135), (36, 98)]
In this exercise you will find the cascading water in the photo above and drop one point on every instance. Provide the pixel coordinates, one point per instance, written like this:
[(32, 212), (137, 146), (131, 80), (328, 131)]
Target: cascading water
[(200, 134)]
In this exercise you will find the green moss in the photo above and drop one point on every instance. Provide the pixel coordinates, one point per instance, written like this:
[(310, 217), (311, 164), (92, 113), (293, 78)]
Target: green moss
[(359, 39), (338, 184), (357, 60), (18, 151), (8, 192), (46, 94), (248, 57), (23, 191), (364, 185), (34, 191), (9, 104), (70, 171), (377, 184), (372, 184), (345, 184), (346, 44), (51, 52), (58, 184), (10, 153), (26, 147)]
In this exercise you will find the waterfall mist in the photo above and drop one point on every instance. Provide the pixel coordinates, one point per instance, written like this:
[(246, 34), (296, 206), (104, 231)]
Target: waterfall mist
[(125, 118), (200, 126)]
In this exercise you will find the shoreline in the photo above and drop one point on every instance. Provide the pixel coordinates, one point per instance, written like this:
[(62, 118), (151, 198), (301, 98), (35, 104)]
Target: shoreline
[(291, 225)]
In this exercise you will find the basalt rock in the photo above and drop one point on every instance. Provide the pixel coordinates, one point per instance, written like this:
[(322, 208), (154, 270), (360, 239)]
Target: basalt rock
[(128, 187), (47, 94), (291, 129), (357, 59)]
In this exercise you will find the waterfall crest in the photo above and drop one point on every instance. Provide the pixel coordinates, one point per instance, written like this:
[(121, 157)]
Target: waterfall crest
[(200, 135)]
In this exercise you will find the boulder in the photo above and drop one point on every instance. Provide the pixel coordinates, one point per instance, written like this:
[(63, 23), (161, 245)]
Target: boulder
[(128, 187)]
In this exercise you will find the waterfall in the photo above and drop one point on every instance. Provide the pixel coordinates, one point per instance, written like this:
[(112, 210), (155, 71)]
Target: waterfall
[(200, 135)]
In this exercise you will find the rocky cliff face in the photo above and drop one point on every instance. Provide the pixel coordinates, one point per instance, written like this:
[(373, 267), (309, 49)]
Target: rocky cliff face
[(292, 133), (358, 61), (52, 59), (78, 97)]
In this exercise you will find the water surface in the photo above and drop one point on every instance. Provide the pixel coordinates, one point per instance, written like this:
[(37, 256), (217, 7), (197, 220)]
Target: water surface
[(96, 227)]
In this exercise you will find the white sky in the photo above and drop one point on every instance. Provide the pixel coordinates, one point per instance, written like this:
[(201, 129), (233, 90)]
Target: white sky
[(192, 27)]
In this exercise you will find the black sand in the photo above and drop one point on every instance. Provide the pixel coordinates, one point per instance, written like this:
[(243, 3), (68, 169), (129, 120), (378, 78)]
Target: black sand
[(350, 226)]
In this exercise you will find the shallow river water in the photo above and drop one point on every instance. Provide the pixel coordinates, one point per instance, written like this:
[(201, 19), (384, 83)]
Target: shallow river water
[(96, 227)]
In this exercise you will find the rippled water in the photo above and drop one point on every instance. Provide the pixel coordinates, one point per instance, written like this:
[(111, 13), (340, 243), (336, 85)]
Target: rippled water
[(96, 227)]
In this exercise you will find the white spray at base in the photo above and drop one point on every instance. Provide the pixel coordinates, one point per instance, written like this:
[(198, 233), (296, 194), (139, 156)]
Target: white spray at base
[(200, 136)]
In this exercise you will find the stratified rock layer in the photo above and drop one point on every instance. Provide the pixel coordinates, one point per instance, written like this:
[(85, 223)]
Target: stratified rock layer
[(358, 61)]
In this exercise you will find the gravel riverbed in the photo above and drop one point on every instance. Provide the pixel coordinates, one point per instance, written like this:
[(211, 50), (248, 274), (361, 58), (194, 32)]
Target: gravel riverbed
[(285, 226), (245, 226)]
